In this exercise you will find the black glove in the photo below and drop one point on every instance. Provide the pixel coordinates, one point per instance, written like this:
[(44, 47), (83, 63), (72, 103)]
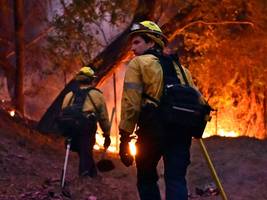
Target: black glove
[(107, 141), (126, 157)]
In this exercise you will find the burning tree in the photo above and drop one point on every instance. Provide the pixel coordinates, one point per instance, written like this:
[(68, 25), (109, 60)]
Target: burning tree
[(223, 43)]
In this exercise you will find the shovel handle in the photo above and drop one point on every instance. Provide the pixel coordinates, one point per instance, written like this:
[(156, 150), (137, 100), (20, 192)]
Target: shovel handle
[(63, 174), (212, 169)]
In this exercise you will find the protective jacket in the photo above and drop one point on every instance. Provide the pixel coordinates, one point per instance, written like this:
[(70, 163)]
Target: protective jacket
[(144, 75), (88, 106)]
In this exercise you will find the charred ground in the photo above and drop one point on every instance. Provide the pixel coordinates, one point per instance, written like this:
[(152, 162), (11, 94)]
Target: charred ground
[(31, 165)]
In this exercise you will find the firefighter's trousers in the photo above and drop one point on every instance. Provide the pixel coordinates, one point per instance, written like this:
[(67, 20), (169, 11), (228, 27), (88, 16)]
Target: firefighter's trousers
[(84, 142), (155, 142)]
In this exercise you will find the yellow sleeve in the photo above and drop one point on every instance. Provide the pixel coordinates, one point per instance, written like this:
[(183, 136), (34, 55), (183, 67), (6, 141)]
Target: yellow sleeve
[(102, 112), (131, 97), (103, 116)]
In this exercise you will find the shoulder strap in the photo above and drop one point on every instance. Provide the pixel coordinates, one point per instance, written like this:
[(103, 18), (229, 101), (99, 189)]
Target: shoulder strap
[(93, 101), (71, 99), (169, 72), (79, 102), (151, 98), (93, 88), (181, 69), (168, 69)]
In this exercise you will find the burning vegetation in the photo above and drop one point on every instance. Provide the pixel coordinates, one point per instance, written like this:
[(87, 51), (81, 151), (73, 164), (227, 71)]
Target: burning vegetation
[(223, 44)]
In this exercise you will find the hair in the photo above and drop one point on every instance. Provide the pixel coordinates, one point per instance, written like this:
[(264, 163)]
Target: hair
[(148, 39), (85, 81)]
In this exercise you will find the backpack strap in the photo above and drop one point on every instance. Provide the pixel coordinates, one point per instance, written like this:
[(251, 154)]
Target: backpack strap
[(91, 99), (87, 90), (72, 97), (151, 98), (181, 69), (83, 93), (168, 69)]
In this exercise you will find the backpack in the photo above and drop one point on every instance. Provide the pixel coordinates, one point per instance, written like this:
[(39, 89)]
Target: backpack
[(180, 105), (72, 119)]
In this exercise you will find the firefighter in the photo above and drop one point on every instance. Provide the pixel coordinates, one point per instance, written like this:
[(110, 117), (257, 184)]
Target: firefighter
[(144, 75), (94, 106)]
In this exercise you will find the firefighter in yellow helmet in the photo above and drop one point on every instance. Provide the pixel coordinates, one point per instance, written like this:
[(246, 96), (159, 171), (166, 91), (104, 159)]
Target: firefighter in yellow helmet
[(143, 87), (94, 108)]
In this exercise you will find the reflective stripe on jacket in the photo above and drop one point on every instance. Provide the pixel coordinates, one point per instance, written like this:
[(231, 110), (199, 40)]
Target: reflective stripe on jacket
[(143, 75), (100, 104)]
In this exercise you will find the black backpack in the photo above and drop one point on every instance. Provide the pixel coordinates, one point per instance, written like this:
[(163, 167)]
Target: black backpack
[(72, 119), (180, 105)]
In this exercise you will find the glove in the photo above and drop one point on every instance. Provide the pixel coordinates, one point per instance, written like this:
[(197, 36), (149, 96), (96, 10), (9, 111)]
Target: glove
[(107, 141), (126, 157)]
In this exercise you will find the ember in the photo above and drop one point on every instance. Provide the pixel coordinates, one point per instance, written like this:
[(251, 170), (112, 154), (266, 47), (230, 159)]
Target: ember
[(12, 113), (132, 147)]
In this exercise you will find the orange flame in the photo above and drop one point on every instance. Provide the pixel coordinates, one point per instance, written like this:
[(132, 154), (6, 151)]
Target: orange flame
[(100, 142), (222, 133), (132, 147), (12, 113), (224, 123)]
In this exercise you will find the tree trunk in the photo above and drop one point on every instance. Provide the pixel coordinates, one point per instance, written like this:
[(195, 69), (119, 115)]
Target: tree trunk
[(265, 113), (20, 52)]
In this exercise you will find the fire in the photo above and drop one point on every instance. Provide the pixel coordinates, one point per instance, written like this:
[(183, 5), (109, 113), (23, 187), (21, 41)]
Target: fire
[(100, 142), (12, 113), (132, 147), (226, 126), (112, 148), (225, 122), (222, 133), (96, 147)]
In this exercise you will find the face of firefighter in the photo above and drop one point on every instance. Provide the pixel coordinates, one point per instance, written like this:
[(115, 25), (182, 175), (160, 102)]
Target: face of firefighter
[(139, 45)]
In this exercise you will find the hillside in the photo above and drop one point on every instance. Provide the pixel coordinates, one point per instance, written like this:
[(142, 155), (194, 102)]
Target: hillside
[(31, 165)]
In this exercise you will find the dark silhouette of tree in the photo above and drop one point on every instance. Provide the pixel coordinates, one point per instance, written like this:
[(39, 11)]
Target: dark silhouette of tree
[(20, 54), (26, 40)]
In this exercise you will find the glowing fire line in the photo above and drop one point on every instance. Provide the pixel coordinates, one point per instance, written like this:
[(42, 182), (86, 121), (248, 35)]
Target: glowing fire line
[(222, 133), (112, 148)]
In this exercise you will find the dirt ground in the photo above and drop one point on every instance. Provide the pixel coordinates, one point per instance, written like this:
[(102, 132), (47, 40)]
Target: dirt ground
[(31, 164)]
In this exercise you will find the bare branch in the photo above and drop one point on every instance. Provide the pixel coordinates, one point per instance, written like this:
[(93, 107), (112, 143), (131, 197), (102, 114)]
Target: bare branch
[(35, 40), (62, 2), (102, 31), (178, 31)]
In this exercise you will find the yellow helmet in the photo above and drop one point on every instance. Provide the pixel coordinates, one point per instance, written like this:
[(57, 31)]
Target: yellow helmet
[(151, 29), (87, 71), (85, 75)]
